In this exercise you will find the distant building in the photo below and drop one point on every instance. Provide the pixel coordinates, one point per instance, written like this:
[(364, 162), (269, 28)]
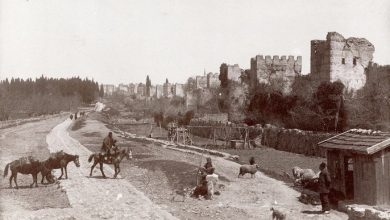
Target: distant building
[(141, 89), (108, 90), (178, 90), (132, 89), (213, 80), (159, 91), (201, 82), (167, 90), (230, 72), (152, 91), (123, 89)]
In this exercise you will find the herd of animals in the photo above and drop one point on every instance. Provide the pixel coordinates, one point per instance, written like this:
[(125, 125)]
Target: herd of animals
[(59, 160), (30, 165)]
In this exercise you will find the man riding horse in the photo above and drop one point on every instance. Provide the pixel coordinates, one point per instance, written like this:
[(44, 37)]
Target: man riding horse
[(108, 147)]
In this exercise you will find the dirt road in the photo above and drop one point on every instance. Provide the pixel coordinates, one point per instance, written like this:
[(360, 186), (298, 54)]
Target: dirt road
[(95, 198), (27, 140), (160, 172), (89, 198)]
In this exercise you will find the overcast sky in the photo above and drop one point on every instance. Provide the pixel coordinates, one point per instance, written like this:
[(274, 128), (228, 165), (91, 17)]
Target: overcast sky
[(122, 41)]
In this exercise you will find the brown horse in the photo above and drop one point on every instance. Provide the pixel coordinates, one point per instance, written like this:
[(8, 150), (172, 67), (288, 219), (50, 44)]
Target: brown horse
[(60, 160), (25, 165), (116, 160)]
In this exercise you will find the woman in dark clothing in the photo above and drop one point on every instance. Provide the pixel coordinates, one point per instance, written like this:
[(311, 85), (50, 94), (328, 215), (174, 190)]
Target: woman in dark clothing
[(324, 188)]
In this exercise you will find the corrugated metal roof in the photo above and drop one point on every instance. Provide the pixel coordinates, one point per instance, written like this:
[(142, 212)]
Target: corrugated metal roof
[(358, 140)]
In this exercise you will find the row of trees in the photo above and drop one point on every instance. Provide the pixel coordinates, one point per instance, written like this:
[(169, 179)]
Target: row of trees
[(25, 98)]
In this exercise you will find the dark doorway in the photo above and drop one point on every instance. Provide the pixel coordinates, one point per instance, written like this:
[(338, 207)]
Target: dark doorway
[(348, 167)]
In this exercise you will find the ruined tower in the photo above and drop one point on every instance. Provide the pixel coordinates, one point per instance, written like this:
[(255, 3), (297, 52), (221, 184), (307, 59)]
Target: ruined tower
[(340, 59)]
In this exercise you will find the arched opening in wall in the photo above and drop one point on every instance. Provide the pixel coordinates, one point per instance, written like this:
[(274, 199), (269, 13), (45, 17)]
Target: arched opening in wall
[(342, 60), (354, 61)]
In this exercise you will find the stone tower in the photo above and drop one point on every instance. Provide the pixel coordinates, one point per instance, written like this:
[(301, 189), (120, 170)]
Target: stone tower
[(269, 70), (340, 59)]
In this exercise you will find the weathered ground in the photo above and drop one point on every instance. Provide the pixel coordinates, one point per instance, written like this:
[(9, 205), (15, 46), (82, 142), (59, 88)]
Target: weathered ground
[(163, 174), (27, 140), (160, 173), (89, 198)]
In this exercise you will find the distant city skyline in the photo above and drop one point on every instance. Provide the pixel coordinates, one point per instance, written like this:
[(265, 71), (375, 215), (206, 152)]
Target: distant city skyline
[(124, 41)]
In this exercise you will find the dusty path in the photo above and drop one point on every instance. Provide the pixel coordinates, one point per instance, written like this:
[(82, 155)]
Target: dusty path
[(28, 139), (95, 197), (89, 198), (256, 196), (243, 198)]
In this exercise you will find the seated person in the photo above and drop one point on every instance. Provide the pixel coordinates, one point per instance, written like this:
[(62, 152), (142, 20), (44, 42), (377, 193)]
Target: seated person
[(207, 167), (108, 145)]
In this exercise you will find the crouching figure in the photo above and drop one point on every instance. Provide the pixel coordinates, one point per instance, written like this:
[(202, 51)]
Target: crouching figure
[(212, 180)]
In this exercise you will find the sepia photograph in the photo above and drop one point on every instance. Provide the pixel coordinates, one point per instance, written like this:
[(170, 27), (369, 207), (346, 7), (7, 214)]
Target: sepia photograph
[(179, 109)]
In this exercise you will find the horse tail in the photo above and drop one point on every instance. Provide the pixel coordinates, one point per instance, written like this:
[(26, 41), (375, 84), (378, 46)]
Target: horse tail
[(90, 158), (6, 170)]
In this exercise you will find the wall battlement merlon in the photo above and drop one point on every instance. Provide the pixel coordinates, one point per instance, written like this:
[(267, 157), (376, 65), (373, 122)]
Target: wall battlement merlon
[(277, 60)]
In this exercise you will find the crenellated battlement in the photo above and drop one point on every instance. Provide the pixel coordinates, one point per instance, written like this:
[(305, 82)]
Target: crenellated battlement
[(264, 69), (276, 60)]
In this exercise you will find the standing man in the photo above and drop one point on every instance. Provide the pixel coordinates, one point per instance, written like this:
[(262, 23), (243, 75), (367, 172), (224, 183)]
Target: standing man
[(324, 188)]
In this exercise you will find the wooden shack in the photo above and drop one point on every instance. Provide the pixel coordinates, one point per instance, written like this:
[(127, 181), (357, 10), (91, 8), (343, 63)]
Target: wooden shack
[(359, 164)]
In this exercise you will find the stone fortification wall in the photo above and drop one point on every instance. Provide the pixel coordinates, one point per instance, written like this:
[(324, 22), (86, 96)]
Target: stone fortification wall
[(266, 70)]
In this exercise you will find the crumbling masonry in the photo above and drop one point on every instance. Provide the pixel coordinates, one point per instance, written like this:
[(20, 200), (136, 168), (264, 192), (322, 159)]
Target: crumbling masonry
[(340, 59)]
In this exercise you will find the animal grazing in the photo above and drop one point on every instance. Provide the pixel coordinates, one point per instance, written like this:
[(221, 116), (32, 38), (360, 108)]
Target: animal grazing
[(115, 159), (305, 176), (60, 160), (244, 169), (278, 214), (25, 165)]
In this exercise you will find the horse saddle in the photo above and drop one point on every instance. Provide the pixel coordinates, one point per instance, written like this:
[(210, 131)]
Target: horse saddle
[(27, 160), (57, 154), (108, 158)]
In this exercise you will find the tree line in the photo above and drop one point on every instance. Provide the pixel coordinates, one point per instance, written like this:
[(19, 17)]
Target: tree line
[(28, 97)]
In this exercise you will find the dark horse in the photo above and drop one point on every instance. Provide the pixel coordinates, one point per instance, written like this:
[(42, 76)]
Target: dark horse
[(26, 165), (60, 160), (115, 159)]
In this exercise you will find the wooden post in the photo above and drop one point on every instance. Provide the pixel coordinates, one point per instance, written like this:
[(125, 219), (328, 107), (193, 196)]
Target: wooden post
[(215, 143), (184, 137), (246, 138), (160, 130), (226, 137)]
